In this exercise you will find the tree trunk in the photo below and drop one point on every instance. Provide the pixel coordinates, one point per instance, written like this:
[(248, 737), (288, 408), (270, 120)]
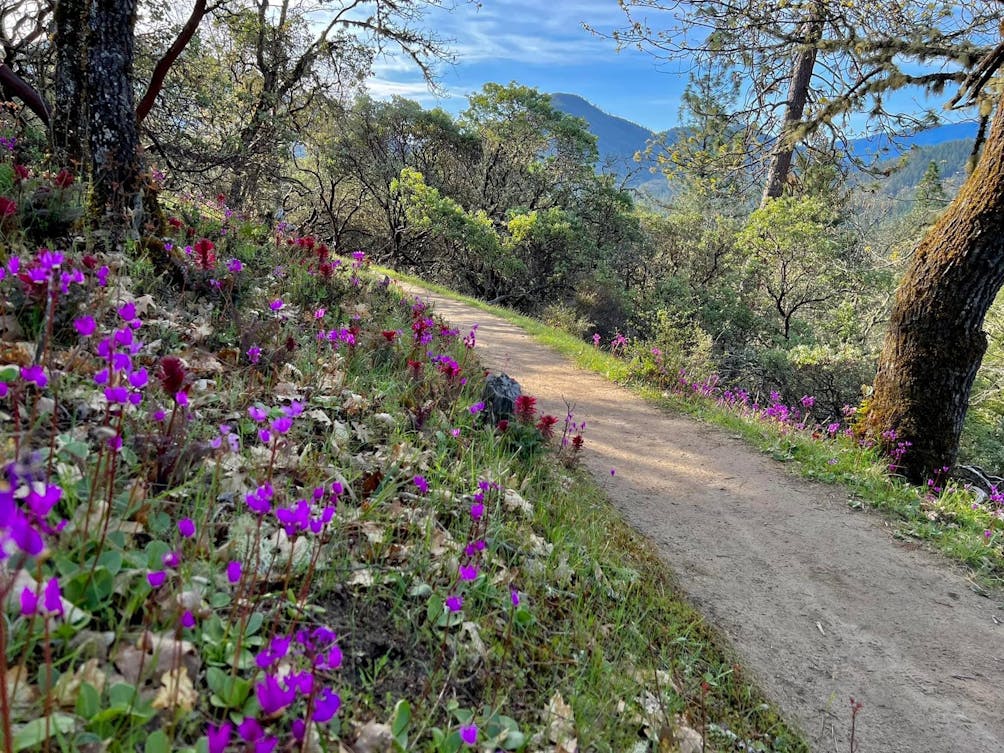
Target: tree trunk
[(798, 94), (68, 123), (112, 132), (935, 341)]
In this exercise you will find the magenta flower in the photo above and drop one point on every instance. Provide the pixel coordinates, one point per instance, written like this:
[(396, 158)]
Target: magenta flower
[(139, 378), (29, 602), (234, 571), (235, 266), (514, 597), (264, 436), (85, 326), (127, 311), (36, 375), (469, 734), (181, 398), (260, 500), (188, 620), (272, 696), (422, 484), (326, 706), (477, 510), (257, 413), (468, 572), (186, 527), (282, 424), (118, 394), (156, 578), (455, 602), (276, 305), (254, 354), (171, 559), (53, 597), (250, 730), (218, 737)]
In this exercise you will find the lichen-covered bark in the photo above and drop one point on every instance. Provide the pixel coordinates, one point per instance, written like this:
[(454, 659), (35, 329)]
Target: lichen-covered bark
[(935, 341), (113, 141), (69, 136)]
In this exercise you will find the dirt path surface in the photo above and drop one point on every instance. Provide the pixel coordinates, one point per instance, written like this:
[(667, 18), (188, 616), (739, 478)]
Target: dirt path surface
[(818, 599)]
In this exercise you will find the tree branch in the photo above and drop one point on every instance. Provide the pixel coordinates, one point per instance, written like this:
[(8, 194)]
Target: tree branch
[(13, 85), (165, 63)]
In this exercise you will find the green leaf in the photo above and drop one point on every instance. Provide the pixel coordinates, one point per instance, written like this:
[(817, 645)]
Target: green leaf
[(88, 700), (523, 617), (255, 623), (216, 679), (121, 694), (401, 719), (111, 561), (157, 742), (155, 552), (434, 608), (35, 732), (89, 591)]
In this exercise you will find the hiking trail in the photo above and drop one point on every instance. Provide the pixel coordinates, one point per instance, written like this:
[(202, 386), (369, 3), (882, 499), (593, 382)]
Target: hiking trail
[(819, 600)]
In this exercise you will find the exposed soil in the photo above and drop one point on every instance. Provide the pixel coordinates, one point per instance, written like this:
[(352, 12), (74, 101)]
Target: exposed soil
[(819, 599)]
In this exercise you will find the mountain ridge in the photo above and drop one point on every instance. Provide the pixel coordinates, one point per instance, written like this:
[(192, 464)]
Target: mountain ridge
[(619, 139)]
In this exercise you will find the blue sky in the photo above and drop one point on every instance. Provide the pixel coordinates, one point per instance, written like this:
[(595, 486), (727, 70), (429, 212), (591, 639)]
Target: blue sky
[(507, 40), (542, 43)]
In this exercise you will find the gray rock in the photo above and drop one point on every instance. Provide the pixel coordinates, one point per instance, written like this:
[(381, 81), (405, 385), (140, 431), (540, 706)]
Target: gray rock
[(499, 397)]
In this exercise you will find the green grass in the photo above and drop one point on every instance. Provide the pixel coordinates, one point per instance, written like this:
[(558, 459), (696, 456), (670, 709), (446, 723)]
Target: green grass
[(948, 524)]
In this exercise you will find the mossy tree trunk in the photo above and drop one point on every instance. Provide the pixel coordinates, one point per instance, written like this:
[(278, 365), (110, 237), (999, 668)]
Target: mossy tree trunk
[(68, 122), (935, 341), (112, 134)]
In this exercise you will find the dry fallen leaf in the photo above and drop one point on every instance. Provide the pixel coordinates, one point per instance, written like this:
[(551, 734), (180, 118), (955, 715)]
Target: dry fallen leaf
[(562, 728), (687, 739), (374, 738), (176, 691), (67, 687), (20, 692)]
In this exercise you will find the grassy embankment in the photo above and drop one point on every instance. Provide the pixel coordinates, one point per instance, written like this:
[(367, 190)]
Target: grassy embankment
[(265, 508)]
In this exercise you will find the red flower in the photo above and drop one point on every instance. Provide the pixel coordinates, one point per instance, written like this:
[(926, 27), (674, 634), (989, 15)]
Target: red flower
[(175, 223), (326, 270), (204, 256), (503, 424), (21, 172), (526, 408), (172, 376), (577, 442), (90, 261), (7, 207), (389, 334), (64, 179), (415, 367), (546, 426), (221, 199)]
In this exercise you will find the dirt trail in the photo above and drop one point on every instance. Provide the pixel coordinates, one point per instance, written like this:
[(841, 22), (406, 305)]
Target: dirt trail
[(819, 600)]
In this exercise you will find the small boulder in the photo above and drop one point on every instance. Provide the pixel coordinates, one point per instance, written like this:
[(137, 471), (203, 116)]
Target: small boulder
[(499, 397)]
